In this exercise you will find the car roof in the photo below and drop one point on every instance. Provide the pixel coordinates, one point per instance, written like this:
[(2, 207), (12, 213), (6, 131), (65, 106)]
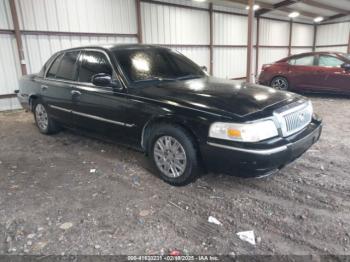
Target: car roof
[(114, 47), (315, 53)]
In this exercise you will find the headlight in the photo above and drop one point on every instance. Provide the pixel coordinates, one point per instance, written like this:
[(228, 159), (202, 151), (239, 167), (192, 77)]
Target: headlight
[(251, 132)]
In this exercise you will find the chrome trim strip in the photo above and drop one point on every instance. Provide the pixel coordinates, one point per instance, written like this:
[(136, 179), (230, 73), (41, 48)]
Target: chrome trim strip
[(252, 151), (92, 116), (61, 108), (102, 119)]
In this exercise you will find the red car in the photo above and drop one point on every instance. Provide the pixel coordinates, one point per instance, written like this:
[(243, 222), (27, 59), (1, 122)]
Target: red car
[(321, 72)]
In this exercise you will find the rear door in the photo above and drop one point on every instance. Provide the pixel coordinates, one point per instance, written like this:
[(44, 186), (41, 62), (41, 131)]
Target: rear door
[(303, 73), (97, 108), (336, 79), (57, 85)]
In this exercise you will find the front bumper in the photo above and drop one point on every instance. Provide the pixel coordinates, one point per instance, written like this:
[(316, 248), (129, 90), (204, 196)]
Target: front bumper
[(259, 159)]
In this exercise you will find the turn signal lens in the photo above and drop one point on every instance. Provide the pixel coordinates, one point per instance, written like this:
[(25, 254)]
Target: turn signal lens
[(234, 133)]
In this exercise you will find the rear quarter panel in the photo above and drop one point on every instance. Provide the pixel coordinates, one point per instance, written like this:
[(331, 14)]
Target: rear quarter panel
[(28, 88)]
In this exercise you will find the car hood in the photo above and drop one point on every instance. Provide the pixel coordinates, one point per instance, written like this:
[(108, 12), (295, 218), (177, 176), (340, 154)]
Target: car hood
[(218, 96)]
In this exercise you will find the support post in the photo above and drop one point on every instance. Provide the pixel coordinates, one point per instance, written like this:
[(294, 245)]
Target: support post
[(139, 23), (18, 36), (315, 36), (290, 37), (257, 45), (250, 41), (211, 48), (349, 44)]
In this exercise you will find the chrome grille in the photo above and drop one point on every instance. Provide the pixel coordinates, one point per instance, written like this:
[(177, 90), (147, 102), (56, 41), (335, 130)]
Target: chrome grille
[(295, 118)]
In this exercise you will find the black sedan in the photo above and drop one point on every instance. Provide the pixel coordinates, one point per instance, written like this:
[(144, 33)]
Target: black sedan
[(158, 101)]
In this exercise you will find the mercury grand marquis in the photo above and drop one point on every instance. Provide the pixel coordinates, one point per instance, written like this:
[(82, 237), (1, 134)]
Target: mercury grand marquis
[(158, 101)]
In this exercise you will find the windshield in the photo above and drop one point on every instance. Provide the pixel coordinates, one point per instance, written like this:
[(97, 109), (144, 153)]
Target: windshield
[(156, 64)]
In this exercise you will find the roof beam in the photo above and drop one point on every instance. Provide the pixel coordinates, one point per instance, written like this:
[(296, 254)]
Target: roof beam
[(335, 17), (283, 6), (302, 13), (245, 2), (276, 6), (323, 6)]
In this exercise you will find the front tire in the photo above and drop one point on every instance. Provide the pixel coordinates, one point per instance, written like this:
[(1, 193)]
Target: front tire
[(44, 122), (280, 83), (173, 154)]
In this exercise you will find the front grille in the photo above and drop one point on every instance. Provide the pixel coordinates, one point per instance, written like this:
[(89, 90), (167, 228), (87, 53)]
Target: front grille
[(295, 119)]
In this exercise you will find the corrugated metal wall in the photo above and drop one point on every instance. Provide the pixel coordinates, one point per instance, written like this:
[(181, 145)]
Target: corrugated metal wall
[(333, 49), (183, 29), (9, 65), (230, 62), (276, 34), (230, 40), (302, 36), (200, 55), (5, 15), (299, 50), (333, 34), (78, 16), (230, 29), (102, 16), (38, 48), (9, 71), (172, 26), (82, 16)]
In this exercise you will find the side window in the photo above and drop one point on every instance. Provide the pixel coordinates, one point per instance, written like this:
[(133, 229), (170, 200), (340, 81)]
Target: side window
[(93, 63), (329, 61), (303, 61), (54, 67), (67, 69)]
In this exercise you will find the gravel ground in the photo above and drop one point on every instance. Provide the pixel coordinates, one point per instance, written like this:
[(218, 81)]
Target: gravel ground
[(51, 201)]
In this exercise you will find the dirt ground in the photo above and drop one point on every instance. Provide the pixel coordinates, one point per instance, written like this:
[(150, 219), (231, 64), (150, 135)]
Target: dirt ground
[(51, 202)]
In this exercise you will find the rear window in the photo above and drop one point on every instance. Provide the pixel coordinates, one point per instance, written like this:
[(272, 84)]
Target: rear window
[(54, 67), (67, 69), (46, 65)]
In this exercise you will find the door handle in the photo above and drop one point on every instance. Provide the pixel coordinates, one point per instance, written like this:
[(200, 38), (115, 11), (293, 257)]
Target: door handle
[(43, 87), (75, 93)]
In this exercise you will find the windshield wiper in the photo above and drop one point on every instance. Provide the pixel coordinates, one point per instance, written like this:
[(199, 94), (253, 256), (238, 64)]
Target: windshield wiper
[(191, 76), (156, 78)]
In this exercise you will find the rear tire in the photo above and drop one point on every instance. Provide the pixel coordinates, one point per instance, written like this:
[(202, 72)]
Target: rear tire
[(280, 83), (44, 122), (173, 154)]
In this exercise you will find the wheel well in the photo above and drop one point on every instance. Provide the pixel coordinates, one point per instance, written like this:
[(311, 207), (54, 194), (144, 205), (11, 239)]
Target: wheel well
[(32, 99), (146, 132)]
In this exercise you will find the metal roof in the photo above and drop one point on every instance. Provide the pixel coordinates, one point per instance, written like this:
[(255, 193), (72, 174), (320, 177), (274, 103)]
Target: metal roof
[(309, 9)]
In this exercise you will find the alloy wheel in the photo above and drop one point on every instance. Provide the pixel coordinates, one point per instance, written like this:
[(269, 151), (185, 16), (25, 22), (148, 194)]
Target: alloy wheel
[(280, 84), (41, 117), (170, 156)]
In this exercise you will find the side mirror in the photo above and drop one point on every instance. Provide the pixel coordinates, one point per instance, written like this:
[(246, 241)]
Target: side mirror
[(105, 80), (204, 68), (346, 66)]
